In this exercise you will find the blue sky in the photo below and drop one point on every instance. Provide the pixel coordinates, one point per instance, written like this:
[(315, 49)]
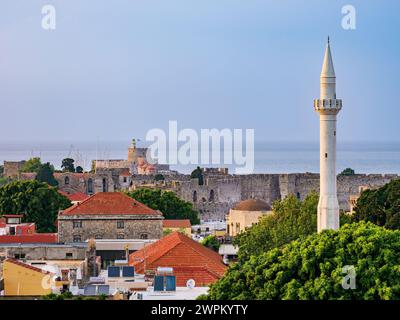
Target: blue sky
[(115, 69)]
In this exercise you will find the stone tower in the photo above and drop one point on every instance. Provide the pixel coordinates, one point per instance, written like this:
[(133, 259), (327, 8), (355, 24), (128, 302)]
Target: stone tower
[(328, 107), (132, 151)]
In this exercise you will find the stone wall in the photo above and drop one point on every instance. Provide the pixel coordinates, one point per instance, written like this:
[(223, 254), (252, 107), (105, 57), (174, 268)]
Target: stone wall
[(105, 227), (45, 251)]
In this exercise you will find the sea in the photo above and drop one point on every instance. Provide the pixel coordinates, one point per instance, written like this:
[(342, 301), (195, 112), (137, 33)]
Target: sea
[(269, 156)]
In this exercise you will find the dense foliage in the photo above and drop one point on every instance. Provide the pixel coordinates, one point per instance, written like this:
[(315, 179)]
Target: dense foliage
[(46, 174), (380, 206), (290, 219), (348, 172), (67, 165), (211, 242), (311, 268), (38, 202), (198, 174), (167, 202), (32, 165)]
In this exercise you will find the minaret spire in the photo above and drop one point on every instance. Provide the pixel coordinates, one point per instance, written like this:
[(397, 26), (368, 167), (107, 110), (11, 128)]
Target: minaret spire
[(328, 107)]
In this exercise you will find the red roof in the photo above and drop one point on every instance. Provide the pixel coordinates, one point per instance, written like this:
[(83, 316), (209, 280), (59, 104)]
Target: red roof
[(183, 223), (27, 266), (30, 238), (188, 258), (109, 203)]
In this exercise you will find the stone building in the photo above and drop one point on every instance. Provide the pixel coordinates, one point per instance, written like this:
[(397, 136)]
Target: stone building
[(109, 215), (244, 215), (12, 169)]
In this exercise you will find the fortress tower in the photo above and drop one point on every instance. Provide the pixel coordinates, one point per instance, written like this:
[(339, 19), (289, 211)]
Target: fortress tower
[(328, 107)]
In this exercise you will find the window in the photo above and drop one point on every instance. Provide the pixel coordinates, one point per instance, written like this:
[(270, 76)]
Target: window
[(326, 155), (68, 255), (77, 238), (212, 196), (19, 256), (66, 180), (104, 185), (334, 133), (120, 236), (298, 195), (90, 186), (195, 196), (125, 179), (120, 224), (144, 236), (77, 224)]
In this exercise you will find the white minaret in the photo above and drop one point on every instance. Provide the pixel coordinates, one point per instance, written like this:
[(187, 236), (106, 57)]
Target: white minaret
[(328, 107)]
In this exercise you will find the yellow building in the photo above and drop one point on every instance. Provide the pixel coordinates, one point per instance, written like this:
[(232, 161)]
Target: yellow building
[(22, 279), (182, 225), (244, 215)]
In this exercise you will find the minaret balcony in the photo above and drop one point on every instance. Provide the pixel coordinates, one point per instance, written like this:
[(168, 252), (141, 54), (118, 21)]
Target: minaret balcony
[(327, 105)]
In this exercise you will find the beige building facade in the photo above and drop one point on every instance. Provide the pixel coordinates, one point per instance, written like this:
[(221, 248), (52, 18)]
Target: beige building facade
[(244, 215)]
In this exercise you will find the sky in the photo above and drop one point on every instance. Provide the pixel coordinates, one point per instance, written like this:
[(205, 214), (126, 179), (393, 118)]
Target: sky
[(113, 70)]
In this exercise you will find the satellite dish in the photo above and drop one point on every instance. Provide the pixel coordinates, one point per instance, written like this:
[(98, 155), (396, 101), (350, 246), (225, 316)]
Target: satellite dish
[(190, 284)]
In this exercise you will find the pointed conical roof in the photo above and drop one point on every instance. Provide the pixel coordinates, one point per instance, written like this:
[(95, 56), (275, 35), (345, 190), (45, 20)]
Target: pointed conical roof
[(327, 67)]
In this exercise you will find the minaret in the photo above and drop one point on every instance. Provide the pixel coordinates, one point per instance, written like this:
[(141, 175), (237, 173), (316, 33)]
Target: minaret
[(328, 107)]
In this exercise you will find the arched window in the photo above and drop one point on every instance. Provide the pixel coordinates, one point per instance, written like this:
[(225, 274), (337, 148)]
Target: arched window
[(194, 196), (104, 185), (211, 197), (90, 186), (66, 180), (298, 195)]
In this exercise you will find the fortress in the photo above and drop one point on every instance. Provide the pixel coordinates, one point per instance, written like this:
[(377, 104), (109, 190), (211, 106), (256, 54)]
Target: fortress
[(221, 192)]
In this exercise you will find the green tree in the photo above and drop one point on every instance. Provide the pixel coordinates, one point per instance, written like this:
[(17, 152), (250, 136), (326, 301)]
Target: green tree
[(67, 165), (167, 202), (159, 177), (46, 174), (380, 206), (79, 169), (32, 165), (347, 172), (211, 242), (311, 268), (198, 173), (38, 203), (290, 219)]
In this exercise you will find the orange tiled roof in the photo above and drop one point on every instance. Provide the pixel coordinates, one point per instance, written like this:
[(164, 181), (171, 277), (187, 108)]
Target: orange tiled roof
[(187, 257), (110, 203), (182, 223), (27, 266), (30, 238), (76, 196)]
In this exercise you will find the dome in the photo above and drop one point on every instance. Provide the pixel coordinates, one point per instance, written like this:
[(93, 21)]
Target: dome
[(252, 205)]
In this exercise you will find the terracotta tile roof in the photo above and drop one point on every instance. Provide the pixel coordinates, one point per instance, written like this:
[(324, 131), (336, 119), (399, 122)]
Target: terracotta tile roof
[(109, 203), (187, 257), (171, 223), (77, 196), (30, 238), (27, 266)]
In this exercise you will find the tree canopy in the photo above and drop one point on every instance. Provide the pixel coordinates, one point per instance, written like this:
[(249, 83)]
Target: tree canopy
[(167, 202), (211, 242), (290, 219), (312, 268), (32, 165), (198, 173), (67, 165), (348, 172), (46, 174), (36, 201), (380, 206)]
